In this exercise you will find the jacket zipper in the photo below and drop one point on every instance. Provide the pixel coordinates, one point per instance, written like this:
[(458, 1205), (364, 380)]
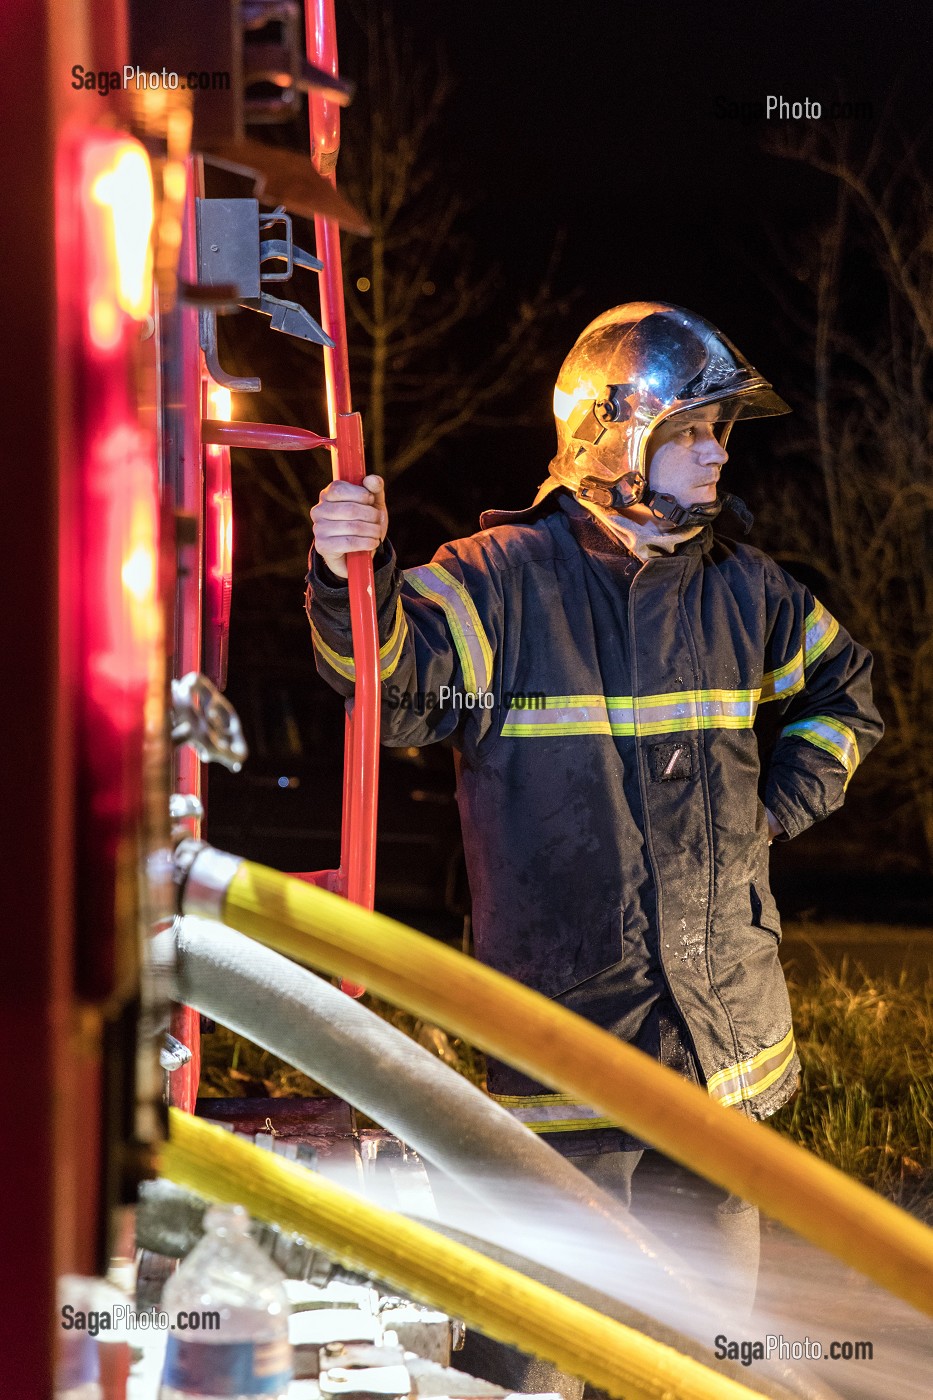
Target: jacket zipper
[(649, 843)]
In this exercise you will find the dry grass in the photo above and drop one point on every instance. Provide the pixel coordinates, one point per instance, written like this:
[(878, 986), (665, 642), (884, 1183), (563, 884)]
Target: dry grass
[(866, 1100), (232, 1067)]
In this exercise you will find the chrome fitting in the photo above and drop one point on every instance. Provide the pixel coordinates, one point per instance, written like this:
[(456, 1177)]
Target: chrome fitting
[(203, 877)]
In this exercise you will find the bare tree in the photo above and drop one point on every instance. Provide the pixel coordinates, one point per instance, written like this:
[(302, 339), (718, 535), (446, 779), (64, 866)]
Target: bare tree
[(412, 288), (437, 344), (865, 516)]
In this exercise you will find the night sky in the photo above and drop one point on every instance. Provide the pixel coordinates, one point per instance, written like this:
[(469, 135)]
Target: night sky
[(619, 129), (605, 118), (613, 122)]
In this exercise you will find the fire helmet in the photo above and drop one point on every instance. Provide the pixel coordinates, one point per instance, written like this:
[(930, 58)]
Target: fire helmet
[(633, 368)]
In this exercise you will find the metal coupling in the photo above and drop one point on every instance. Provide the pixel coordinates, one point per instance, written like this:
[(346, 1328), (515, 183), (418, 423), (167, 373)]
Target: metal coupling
[(202, 878)]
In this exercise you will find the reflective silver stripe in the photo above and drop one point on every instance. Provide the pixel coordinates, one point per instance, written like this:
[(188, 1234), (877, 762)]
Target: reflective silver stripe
[(552, 1113), (751, 1077), (784, 682), (621, 710), (433, 582), (624, 715), (820, 628), (831, 735), (562, 714), (696, 709)]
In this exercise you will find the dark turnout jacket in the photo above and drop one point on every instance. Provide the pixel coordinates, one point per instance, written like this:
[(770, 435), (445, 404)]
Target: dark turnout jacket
[(621, 727)]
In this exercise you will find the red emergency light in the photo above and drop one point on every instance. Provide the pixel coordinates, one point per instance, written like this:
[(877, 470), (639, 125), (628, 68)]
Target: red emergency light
[(218, 540), (111, 540)]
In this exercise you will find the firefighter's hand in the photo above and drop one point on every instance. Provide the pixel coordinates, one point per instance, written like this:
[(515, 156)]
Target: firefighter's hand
[(774, 827), (349, 518)]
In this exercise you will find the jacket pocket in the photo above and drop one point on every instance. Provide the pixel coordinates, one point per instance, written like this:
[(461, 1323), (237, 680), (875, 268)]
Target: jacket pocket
[(764, 910), (594, 957)]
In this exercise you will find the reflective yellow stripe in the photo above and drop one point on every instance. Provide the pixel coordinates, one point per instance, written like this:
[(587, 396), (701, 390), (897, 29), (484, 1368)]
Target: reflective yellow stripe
[(389, 654), (562, 714), (571, 1125), (832, 736), (552, 1113), (343, 665), (558, 1113), (820, 629), (784, 682), (678, 697), (668, 713), (557, 701), (433, 582), (532, 1100), (751, 1077)]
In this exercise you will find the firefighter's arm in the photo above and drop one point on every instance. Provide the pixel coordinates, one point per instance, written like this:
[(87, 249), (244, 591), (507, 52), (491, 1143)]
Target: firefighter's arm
[(818, 679), (438, 630), (327, 603)]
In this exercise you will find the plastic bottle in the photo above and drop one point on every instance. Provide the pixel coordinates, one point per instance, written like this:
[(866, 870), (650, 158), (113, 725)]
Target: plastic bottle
[(77, 1359), (244, 1351)]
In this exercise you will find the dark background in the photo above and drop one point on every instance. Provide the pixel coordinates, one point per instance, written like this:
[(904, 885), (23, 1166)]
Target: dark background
[(617, 127)]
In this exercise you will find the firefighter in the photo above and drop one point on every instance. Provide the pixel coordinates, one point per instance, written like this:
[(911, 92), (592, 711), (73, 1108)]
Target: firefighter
[(639, 706)]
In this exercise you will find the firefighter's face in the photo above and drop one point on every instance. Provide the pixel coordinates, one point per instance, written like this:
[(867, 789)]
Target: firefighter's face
[(685, 457)]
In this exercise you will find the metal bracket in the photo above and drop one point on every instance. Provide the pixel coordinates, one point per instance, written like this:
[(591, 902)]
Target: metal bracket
[(205, 719), (173, 1054), (207, 335), (184, 805), (292, 319), (231, 254), (293, 255), (274, 58), (287, 244), (366, 1380), (285, 248)]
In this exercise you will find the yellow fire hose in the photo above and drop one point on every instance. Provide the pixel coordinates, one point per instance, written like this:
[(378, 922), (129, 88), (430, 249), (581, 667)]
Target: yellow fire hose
[(502, 1303), (556, 1047)]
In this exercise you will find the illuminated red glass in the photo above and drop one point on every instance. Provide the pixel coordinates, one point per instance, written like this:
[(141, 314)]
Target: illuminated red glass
[(218, 541)]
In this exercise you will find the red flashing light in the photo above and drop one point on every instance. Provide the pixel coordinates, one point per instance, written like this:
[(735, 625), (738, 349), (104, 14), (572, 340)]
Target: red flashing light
[(110, 541), (118, 208), (222, 510), (218, 539), (123, 629)]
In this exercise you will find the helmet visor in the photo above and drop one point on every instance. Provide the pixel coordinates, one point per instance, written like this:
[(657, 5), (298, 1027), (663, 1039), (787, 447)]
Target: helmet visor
[(755, 401)]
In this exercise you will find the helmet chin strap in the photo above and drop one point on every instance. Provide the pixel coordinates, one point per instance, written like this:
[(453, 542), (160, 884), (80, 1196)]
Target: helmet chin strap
[(665, 507), (632, 489)]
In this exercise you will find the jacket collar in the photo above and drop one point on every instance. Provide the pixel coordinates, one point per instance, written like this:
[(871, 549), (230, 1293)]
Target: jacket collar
[(552, 494), (543, 502)]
